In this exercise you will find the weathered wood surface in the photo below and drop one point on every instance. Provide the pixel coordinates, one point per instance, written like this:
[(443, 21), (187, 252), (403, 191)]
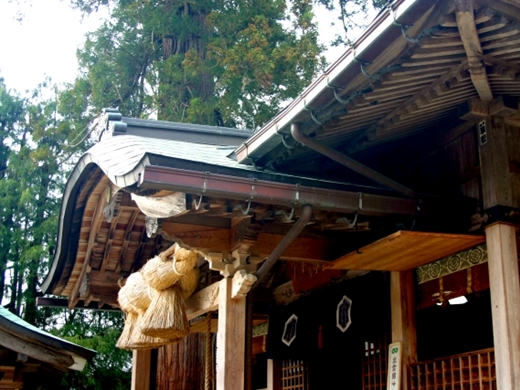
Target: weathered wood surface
[(97, 218), (472, 46), (494, 162), (203, 301), (36, 351), (222, 240), (180, 366), (141, 364), (505, 296), (406, 250), (230, 339), (402, 300)]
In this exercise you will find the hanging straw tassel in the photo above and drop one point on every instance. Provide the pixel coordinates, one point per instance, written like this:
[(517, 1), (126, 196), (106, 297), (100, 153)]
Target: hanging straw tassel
[(169, 267), (184, 260), (159, 274), (189, 283), (124, 340), (166, 316), (135, 293), (131, 337)]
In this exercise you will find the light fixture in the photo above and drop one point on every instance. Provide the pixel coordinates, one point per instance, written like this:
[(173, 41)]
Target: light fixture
[(458, 301)]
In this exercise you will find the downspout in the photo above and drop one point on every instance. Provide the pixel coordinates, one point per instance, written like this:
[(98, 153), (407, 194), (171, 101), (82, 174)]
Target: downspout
[(342, 159), (291, 235)]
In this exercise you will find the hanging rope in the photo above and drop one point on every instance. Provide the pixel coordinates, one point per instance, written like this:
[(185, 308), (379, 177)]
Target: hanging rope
[(208, 365)]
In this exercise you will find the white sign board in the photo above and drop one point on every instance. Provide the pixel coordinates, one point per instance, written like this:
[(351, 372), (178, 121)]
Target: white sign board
[(394, 366)]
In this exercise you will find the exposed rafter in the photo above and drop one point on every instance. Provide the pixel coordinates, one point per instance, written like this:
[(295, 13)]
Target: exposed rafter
[(471, 41), (413, 101)]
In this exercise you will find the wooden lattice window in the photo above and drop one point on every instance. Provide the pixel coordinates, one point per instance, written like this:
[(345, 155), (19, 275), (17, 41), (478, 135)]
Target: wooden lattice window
[(375, 364), (294, 375), (472, 371)]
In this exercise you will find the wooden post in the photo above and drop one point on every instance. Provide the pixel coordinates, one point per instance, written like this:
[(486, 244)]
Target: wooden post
[(230, 338), (273, 375), (141, 363), (402, 295), (505, 295), (499, 190), (494, 164)]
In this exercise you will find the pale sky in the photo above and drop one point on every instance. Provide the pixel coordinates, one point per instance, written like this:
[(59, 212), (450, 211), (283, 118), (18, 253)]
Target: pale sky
[(44, 43)]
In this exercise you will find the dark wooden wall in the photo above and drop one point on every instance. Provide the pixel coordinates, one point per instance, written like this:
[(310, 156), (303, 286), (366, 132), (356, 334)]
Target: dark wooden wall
[(181, 366)]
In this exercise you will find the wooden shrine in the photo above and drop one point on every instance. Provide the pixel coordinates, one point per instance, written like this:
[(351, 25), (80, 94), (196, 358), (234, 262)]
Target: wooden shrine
[(401, 159)]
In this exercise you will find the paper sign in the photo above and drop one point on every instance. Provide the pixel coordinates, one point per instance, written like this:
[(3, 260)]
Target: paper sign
[(394, 366)]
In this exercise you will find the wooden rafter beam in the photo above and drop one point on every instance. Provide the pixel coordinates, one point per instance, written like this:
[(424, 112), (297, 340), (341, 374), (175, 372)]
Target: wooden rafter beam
[(97, 219), (225, 240), (110, 238), (471, 41), (127, 237), (423, 94)]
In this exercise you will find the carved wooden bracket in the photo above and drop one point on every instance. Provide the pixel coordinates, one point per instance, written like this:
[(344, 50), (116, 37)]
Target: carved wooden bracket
[(242, 282), (241, 259)]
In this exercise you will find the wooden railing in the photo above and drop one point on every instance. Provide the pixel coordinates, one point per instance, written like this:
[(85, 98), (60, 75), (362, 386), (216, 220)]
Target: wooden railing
[(469, 371), (294, 375), (375, 364)]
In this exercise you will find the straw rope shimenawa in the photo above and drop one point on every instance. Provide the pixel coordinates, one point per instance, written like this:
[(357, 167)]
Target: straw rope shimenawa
[(136, 292), (189, 283), (132, 337), (169, 267), (166, 316), (153, 299)]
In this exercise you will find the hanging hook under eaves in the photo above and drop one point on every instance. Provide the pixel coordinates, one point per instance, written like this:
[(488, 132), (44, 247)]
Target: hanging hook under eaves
[(356, 213), (248, 200), (313, 116), (203, 190), (286, 217), (244, 211)]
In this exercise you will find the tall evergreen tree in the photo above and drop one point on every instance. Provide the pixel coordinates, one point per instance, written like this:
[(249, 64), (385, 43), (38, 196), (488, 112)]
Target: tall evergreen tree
[(36, 143), (212, 62)]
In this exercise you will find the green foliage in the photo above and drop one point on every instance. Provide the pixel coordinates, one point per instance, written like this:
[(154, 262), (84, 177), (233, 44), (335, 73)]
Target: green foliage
[(36, 141), (111, 368), (211, 62)]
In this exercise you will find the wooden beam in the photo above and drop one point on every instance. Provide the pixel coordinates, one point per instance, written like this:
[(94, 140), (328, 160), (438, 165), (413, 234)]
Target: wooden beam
[(273, 375), (127, 237), (11, 385), (35, 351), (110, 240), (505, 303), (402, 296), (214, 239), (468, 33), (230, 339), (97, 219), (141, 367), (203, 301), (494, 163), (423, 93)]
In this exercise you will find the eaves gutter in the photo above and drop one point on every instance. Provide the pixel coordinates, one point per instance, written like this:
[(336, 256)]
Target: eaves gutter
[(295, 195), (268, 137)]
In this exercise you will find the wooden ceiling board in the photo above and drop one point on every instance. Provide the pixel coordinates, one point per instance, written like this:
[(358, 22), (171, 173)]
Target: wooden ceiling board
[(406, 250)]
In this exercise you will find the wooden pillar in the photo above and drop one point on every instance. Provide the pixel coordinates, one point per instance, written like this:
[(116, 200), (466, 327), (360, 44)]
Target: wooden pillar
[(273, 375), (230, 338), (402, 295), (141, 363), (505, 293), (498, 190)]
